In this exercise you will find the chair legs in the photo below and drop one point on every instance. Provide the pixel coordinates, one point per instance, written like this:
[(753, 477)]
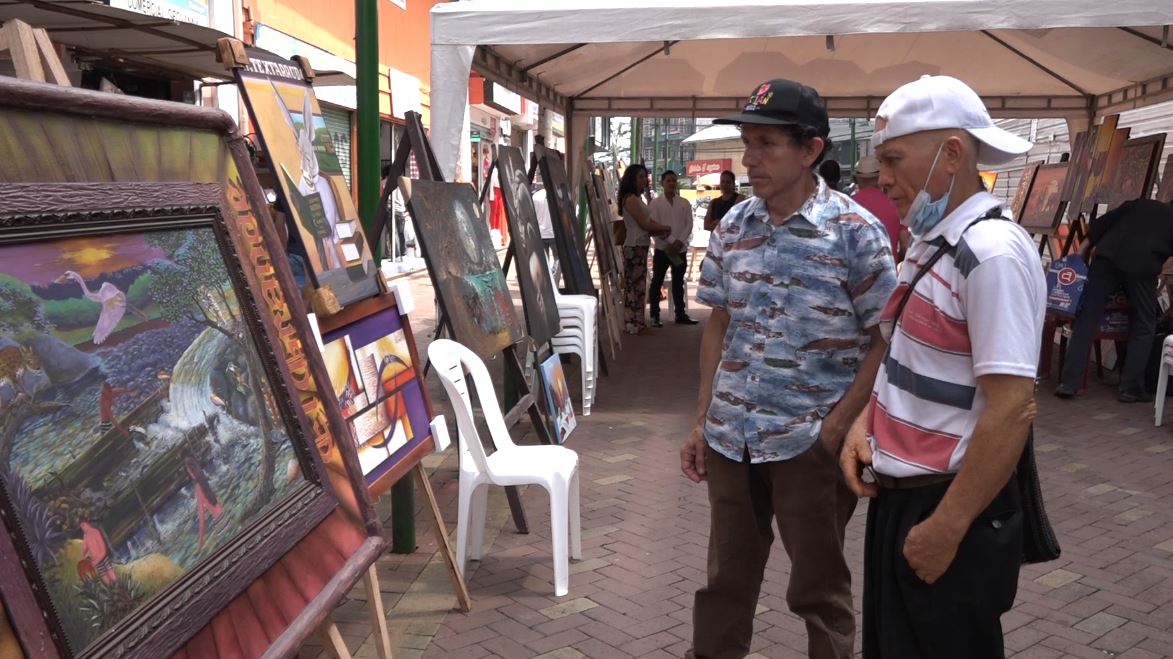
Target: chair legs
[(559, 533), (1162, 385), (575, 520), (470, 524), (480, 504)]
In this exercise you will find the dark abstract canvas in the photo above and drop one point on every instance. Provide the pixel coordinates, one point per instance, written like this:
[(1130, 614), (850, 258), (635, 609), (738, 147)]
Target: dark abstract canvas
[(571, 254), (463, 265), (1135, 172), (529, 254), (1041, 210), (1024, 182)]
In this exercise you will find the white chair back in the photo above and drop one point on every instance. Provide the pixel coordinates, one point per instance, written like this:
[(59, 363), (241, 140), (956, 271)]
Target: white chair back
[(451, 361)]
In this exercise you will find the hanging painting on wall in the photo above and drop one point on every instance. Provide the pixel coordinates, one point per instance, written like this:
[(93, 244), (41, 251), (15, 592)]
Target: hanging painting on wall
[(463, 264), (308, 174), (529, 253)]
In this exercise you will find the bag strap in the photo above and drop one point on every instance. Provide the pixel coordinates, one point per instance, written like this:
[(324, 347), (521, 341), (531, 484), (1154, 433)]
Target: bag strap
[(994, 213)]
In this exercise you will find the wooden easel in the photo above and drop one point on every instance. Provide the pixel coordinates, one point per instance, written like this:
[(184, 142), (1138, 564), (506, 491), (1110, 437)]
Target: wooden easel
[(32, 53), (417, 145)]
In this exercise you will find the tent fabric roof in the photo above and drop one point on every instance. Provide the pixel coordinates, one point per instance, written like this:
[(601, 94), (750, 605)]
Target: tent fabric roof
[(704, 57)]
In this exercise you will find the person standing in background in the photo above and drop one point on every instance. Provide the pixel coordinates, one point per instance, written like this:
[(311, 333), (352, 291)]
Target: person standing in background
[(831, 173), (640, 227), (545, 223), (871, 197), (674, 212), (729, 198)]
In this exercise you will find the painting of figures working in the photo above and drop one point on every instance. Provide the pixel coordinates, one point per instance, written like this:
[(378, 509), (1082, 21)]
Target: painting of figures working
[(138, 426)]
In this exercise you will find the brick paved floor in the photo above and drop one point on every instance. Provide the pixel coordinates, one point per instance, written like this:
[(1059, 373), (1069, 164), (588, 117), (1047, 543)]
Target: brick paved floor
[(1108, 477)]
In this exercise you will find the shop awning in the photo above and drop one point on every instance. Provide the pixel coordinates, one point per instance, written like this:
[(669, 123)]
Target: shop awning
[(118, 35)]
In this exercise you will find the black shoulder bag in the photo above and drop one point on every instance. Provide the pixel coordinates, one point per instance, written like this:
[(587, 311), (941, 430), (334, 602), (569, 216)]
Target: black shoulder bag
[(1039, 543)]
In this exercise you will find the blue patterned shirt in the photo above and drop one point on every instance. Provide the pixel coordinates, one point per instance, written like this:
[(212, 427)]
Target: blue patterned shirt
[(800, 296)]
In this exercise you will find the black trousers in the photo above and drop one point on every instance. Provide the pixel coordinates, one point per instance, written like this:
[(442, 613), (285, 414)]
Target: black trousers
[(958, 616), (1104, 279), (660, 265)]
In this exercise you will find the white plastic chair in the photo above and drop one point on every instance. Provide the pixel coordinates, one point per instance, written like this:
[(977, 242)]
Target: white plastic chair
[(553, 467), (578, 335), (1163, 378)]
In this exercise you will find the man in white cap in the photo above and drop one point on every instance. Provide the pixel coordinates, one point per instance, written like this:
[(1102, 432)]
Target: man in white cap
[(954, 399)]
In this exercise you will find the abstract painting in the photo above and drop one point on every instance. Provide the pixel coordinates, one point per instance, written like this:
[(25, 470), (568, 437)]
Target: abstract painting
[(558, 406), (463, 265), (1040, 213), (989, 179), (379, 389), (529, 254), (1025, 179), (571, 254), (309, 177), (141, 428), (1135, 173), (1108, 141)]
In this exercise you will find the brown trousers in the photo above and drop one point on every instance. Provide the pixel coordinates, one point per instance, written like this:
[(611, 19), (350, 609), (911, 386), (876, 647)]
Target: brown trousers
[(811, 504)]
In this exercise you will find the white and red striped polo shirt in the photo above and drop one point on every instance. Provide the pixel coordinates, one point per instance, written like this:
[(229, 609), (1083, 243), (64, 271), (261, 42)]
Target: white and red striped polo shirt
[(979, 311)]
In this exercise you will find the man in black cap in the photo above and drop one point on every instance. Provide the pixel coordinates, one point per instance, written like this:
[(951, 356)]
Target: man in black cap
[(797, 278)]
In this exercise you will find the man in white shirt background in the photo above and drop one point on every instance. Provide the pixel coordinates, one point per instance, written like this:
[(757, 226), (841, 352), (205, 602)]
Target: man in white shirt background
[(545, 224), (671, 210)]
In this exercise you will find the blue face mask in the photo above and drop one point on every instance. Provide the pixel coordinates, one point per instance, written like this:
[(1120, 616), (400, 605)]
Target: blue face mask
[(924, 213)]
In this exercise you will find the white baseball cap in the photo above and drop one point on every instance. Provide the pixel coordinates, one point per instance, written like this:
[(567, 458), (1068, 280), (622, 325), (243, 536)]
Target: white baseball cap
[(942, 102)]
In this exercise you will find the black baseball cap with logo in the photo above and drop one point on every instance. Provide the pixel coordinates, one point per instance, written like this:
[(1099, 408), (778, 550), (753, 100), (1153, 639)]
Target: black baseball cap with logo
[(783, 103)]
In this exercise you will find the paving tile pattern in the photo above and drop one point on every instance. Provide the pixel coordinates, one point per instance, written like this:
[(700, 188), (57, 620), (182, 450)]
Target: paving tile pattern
[(1108, 479)]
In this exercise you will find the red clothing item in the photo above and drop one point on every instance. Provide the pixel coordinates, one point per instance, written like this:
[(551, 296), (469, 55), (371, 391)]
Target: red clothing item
[(882, 207)]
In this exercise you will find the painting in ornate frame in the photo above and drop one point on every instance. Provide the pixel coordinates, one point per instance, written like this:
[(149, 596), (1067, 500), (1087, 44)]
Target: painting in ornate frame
[(308, 174), (1135, 171), (1040, 211), (172, 335)]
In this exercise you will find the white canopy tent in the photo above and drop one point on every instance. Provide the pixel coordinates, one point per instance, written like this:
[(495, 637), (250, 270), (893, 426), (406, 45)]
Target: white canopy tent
[(1076, 59)]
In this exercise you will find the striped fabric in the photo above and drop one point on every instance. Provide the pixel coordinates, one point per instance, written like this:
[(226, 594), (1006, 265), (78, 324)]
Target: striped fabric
[(979, 311)]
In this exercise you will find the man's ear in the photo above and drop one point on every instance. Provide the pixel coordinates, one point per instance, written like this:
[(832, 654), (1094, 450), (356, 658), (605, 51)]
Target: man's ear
[(954, 153), (815, 148)]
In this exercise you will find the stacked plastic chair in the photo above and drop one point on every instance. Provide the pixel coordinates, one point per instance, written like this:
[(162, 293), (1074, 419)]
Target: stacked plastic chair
[(578, 315), (555, 468)]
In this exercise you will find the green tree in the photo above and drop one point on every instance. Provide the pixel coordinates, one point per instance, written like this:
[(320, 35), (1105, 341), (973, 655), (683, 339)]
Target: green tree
[(21, 311)]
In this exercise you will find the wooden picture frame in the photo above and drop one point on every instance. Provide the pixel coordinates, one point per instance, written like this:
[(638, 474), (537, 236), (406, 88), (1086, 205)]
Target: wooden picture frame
[(1165, 189), (1042, 209), (368, 323), (108, 168), (1023, 191), (1135, 171)]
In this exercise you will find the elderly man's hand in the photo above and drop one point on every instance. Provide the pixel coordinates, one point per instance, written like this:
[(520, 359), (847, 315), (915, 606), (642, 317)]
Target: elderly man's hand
[(930, 548), (855, 456), (692, 456)]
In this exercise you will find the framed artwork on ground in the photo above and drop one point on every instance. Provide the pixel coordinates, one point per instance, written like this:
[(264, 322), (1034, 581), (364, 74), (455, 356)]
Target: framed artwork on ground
[(162, 440), (559, 408), (1040, 211), (463, 265), (533, 273)]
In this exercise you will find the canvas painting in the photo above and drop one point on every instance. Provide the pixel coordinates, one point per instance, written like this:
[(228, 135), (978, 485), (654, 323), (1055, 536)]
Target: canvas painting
[(140, 431), (1108, 140), (463, 264), (379, 390), (1135, 174), (1025, 179), (989, 179), (601, 227), (529, 254), (1079, 163), (571, 254), (558, 404), (1041, 210), (309, 175), (1165, 189)]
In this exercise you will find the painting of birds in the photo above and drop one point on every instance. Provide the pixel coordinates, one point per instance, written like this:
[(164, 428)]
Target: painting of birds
[(113, 302)]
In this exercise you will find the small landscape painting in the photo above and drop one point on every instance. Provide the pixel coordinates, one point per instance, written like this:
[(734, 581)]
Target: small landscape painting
[(559, 408), (1041, 210)]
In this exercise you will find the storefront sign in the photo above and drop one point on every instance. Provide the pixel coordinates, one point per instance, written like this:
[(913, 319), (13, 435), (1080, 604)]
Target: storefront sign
[(701, 167), (183, 11), (557, 123), (405, 94), (499, 98), (528, 119)]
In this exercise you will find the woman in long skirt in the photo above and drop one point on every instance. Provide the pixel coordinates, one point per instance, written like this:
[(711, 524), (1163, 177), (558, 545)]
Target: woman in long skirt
[(640, 227)]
